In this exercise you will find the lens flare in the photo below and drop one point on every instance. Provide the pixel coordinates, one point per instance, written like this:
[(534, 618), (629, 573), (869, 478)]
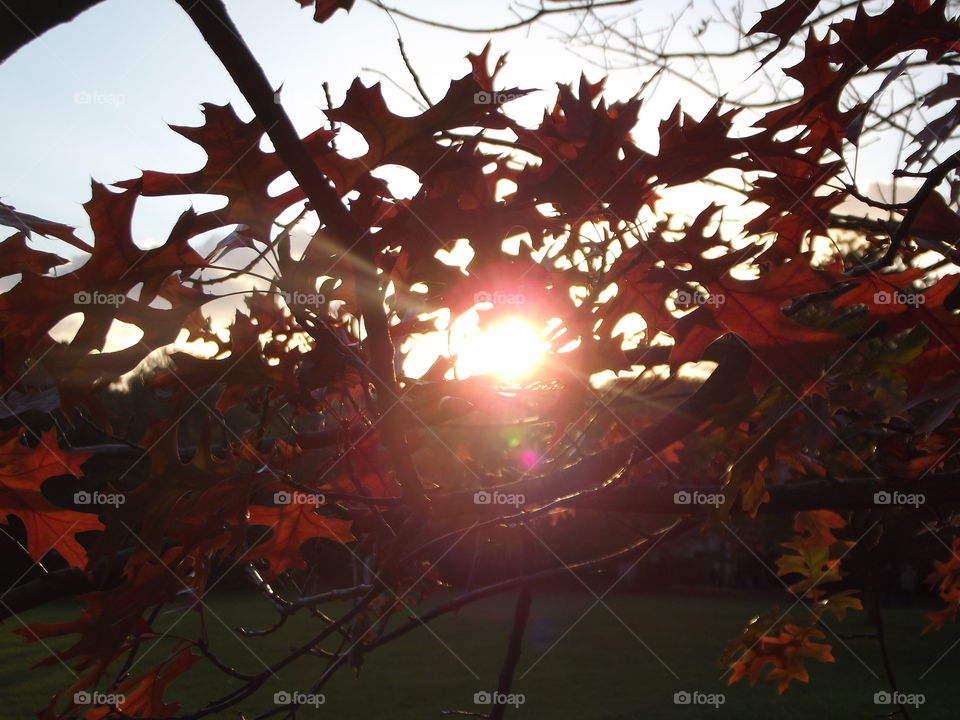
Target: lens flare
[(511, 349)]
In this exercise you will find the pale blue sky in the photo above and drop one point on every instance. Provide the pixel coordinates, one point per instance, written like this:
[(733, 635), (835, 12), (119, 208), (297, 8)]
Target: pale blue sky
[(92, 98)]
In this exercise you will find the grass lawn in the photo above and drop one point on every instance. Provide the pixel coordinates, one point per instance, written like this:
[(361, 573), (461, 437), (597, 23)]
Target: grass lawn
[(580, 660)]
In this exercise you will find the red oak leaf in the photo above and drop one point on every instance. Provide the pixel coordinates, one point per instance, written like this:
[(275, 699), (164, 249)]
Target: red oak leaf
[(324, 9), (937, 219), (410, 141), (236, 167), (787, 652), (587, 157), (23, 470), (817, 526), (753, 309), (19, 257), (290, 526), (783, 21), (114, 619), (143, 695), (27, 224), (882, 294), (945, 581)]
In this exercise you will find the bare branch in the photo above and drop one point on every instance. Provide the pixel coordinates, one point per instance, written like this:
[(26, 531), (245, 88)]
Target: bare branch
[(543, 11)]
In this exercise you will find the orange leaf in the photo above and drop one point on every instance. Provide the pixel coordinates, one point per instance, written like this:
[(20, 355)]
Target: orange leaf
[(817, 526), (23, 470), (291, 526)]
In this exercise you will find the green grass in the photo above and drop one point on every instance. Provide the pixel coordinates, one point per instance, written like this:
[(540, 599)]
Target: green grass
[(612, 665)]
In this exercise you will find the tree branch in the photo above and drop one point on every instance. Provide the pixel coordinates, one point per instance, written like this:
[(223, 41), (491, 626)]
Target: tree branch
[(460, 601), (218, 30), (934, 178), (588, 5), (24, 20), (521, 614)]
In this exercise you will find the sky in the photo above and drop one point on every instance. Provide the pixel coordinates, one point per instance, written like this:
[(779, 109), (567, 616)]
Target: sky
[(92, 99)]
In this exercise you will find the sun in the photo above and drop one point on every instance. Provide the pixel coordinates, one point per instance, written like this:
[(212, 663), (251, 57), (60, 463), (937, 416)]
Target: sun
[(511, 348)]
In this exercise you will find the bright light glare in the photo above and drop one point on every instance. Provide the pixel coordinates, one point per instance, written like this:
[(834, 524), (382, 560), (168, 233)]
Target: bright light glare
[(511, 349)]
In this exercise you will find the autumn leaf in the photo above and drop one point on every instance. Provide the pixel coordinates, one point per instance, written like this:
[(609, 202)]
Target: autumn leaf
[(113, 621), (289, 527), (587, 160), (324, 9), (817, 526), (143, 695), (691, 150), (784, 21), (23, 469), (236, 167), (20, 257), (882, 294), (945, 581), (237, 373), (787, 651), (747, 476), (869, 40), (929, 314), (753, 309), (817, 112), (936, 219), (812, 562), (410, 141), (115, 266), (839, 603), (27, 224)]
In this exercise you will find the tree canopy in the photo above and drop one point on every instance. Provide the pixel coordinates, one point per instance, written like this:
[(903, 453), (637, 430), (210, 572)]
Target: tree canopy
[(808, 324)]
